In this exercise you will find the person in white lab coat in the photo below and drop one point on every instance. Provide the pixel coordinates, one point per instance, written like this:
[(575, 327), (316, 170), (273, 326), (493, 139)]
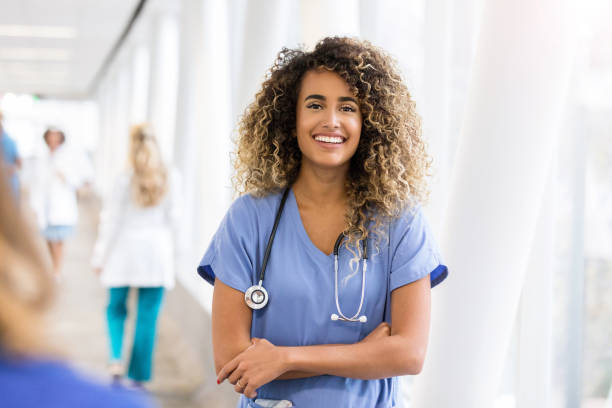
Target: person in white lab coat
[(58, 175), (134, 249)]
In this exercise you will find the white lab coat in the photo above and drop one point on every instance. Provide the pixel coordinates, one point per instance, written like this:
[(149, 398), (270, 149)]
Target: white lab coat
[(135, 245), (56, 177)]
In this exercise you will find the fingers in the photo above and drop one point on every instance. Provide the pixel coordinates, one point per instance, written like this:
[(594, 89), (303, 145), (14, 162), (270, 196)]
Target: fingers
[(230, 367), (249, 391), (227, 370), (236, 375), (243, 387), (239, 387)]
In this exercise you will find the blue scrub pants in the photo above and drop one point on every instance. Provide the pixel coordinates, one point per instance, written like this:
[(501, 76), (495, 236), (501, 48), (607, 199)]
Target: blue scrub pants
[(149, 303)]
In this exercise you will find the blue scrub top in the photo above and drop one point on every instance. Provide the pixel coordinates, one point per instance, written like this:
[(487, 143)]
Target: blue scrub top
[(35, 383), (300, 283), (10, 156)]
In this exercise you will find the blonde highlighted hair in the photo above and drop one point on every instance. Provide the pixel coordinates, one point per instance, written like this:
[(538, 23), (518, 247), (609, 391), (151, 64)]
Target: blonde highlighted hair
[(26, 286), (150, 176)]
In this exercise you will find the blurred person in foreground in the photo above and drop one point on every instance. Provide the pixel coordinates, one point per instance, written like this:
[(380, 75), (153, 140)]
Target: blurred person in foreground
[(10, 155), (135, 249), (58, 175), (30, 375)]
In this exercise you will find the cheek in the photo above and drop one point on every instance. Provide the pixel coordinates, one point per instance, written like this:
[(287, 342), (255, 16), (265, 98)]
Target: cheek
[(304, 126), (354, 123), (301, 136), (355, 129)]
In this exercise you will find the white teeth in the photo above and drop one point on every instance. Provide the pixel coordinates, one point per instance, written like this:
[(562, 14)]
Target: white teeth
[(329, 139)]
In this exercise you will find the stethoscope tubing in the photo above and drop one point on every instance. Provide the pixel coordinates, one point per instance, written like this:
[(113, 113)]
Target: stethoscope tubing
[(355, 317), (272, 235), (262, 292)]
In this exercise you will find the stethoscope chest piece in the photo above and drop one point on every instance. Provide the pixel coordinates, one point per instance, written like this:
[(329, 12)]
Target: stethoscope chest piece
[(256, 297)]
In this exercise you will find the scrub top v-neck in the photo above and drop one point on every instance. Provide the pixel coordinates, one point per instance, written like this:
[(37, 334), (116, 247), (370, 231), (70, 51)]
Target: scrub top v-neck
[(300, 283)]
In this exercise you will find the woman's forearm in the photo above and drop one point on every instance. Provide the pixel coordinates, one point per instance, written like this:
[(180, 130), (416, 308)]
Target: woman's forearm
[(383, 330), (380, 358)]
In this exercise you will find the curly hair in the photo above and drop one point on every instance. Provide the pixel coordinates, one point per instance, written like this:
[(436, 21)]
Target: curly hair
[(388, 171)]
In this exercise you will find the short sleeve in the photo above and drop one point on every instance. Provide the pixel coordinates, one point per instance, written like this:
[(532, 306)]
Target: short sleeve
[(10, 149), (229, 256), (414, 252)]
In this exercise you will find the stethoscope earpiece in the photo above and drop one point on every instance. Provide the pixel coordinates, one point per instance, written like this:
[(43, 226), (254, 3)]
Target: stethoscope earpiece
[(362, 319)]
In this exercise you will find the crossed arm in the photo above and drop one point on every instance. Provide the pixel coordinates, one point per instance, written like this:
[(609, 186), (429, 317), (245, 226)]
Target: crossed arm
[(398, 349)]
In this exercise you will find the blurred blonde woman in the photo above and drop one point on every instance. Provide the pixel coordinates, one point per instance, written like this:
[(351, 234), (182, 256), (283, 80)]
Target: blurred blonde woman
[(134, 249), (29, 374)]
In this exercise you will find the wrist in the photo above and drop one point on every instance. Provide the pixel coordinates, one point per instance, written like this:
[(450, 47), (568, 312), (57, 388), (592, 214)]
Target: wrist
[(288, 358)]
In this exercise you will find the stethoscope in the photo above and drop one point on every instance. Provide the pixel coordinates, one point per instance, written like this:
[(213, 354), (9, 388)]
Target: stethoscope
[(256, 297)]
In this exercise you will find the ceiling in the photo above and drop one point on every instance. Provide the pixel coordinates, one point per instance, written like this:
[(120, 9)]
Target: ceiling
[(55, 48)]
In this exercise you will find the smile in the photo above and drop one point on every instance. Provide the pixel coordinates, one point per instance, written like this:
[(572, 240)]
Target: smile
[(329, 139)]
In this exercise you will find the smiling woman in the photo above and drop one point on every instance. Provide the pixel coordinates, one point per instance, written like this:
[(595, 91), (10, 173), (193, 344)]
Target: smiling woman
[(331, 163)]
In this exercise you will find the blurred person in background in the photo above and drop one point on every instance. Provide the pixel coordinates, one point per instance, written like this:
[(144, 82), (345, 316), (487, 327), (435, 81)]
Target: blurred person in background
[(57, 177), (31, 375), (135, 249), (12, 160)]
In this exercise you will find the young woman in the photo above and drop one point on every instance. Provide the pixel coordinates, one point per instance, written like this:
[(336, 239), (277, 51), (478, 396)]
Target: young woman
[(134, 249), (332, 169), (54, 194), (30, 376)]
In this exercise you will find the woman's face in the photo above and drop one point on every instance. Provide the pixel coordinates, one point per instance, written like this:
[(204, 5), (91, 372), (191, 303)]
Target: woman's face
[(328, 120), (54, 140)]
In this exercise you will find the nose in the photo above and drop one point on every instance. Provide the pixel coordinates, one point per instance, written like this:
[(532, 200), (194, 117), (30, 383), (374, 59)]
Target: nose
[(331, 119)]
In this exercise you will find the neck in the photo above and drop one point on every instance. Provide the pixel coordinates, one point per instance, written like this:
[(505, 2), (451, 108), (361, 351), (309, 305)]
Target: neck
[(321, 187)]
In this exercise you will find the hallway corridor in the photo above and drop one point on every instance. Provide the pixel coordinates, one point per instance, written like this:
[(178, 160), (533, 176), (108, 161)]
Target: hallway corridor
[(78, 327)]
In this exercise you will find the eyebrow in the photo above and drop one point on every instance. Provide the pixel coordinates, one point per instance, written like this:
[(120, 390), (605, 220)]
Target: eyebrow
[(340, 99)]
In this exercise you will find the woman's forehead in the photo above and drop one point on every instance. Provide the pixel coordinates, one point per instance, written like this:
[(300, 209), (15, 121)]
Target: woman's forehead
[(325, 83)]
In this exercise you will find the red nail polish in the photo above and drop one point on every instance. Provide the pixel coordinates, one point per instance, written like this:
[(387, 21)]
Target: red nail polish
[(218, 382)]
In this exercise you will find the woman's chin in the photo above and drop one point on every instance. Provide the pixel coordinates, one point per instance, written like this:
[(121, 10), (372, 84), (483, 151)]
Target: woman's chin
[(329, 165)]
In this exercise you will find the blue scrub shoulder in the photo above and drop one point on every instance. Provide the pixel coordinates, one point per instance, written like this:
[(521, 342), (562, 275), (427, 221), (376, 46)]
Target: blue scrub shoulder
[(234, 245), (33, 382)]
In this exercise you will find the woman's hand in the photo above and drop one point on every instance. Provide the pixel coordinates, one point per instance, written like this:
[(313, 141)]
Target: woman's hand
[(259, 364)]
